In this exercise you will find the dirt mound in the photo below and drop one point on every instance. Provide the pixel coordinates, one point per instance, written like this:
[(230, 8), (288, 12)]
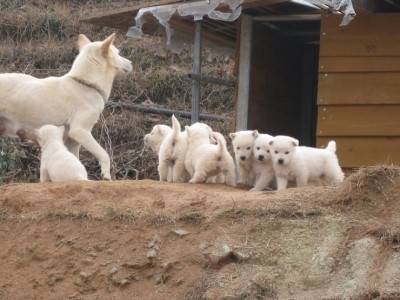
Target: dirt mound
[(152, 240)]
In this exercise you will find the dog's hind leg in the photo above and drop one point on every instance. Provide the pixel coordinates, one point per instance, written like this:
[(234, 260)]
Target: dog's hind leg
[(73, 146), (178, 171), (44, 175), (85, 138), (4, 126)]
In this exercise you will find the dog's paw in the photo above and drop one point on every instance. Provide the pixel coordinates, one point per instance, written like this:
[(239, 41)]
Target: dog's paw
[(106, 177)]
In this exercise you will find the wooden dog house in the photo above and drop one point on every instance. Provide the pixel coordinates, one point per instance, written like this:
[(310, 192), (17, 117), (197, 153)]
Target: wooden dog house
[(300, 73)]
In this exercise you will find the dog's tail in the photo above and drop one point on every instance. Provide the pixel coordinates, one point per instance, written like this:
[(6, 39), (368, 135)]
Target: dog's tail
[(331, 146), (221, 142), (176, 129)]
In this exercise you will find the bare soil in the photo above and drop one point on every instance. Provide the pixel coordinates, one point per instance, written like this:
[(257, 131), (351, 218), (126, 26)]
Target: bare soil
[(154, 240)]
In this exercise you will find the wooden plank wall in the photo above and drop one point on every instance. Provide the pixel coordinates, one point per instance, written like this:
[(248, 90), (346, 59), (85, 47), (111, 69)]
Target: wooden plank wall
[(359, 88)]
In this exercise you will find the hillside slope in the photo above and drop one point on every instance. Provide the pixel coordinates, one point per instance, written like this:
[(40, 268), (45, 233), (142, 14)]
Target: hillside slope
[(152, 240)]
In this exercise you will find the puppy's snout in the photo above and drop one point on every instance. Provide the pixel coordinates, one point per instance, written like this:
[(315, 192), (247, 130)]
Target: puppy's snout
[(280, 161), (243, 157), (261, 157)]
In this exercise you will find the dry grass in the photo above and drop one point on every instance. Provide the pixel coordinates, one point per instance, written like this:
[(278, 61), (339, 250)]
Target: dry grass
[(375, 180), (39, 38)]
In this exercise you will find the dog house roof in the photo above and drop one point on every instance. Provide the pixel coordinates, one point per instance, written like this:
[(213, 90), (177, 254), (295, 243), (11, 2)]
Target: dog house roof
[(219, 17)]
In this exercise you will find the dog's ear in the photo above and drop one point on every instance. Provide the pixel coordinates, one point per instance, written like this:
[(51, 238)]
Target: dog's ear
[(232, 136), (271, 142), (106, 45), (82, 41), (255, 133), (295, 142)]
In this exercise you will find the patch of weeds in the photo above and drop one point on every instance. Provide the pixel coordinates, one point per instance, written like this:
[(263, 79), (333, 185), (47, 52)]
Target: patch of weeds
[(264, 290), (121, 215), (193, 218), (384, 235), (81, 216)]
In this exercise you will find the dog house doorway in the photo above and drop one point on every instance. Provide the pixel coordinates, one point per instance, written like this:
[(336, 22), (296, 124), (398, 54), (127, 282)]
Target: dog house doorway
[(284, 76)]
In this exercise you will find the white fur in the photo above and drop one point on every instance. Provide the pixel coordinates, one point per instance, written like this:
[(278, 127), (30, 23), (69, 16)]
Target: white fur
[(171, 157), (56, 162), (242, 142), (262, 163), (304, 164), (205, 160), (154, 139), (74, 100)]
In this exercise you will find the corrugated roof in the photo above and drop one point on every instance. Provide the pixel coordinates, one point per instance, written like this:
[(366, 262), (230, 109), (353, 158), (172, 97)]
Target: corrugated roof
[(268, 12)]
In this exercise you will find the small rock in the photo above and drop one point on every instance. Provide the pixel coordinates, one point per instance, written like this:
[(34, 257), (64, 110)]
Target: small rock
[(154, 242), (180, 232), (152, 253), (84, 276), (158, 279), (179, 281), (113, 270), (203, 246)]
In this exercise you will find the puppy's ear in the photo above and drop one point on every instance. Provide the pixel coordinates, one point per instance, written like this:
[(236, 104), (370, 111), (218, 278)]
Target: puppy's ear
[(82, 41), (295, 142), (106, 45), (61, 130), (37, 135), (255, 133), (187, 129), (158, 128), (232, 136)]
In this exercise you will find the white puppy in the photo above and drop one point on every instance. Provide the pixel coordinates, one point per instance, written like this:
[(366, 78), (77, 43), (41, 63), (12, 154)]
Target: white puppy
[(242, 142), (57, 163), (171, 157), (262, 164), (205, 160), (154, 139), (303, 164)]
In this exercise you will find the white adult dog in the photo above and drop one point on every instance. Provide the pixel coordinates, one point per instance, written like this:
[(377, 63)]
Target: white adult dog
[(242, 142), (205, 160), (304, 164), (56, 162), (74, 100), (262, 163), (154, 139)]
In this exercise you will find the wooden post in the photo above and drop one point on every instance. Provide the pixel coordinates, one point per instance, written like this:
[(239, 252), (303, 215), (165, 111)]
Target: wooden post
[(196, 71), (242, 108)]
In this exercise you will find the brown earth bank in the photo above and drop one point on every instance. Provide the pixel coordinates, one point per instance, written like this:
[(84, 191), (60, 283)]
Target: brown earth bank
[(155, 240)]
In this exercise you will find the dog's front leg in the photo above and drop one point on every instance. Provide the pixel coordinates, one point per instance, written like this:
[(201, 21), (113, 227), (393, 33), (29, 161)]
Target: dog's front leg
[(263, 182), (85, 138), (281, 182)]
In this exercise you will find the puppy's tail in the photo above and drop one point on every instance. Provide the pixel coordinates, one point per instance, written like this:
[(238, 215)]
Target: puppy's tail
[(331, 146), (221, 143), (176, 129)]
